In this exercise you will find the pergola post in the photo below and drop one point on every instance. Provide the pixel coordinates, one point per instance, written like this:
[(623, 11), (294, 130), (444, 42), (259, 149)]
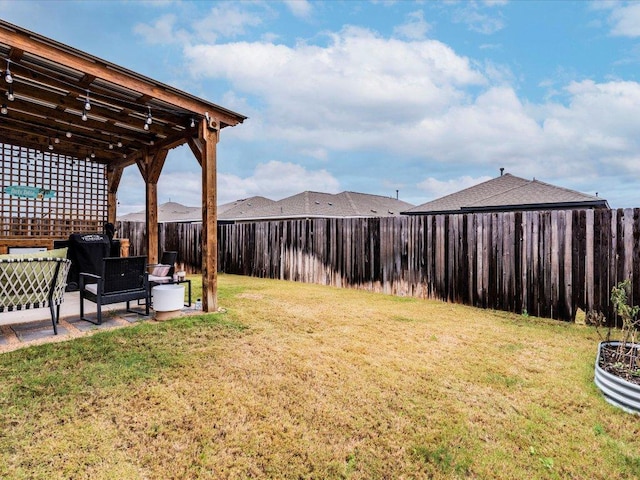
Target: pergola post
[(151, 195), (208, 134), (114, 175), (150, 167)]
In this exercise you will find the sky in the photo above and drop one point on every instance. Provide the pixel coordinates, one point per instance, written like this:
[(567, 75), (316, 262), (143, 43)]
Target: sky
[(415, 99)]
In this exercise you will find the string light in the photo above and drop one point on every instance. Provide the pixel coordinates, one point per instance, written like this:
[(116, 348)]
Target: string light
[(8, 78), (130, 104), (93, 154), (148, 119)]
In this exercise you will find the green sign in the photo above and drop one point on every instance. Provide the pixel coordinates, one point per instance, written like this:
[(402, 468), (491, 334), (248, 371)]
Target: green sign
[(26, 191)]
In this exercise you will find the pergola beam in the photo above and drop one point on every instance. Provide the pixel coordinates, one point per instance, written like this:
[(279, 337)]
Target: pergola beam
[(98, 68)]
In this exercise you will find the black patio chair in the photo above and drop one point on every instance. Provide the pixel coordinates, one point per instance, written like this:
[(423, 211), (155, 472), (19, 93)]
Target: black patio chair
[(122, 279), (168, 258)]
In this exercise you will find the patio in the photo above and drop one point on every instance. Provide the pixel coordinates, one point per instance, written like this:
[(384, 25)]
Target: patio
[(25, 328)]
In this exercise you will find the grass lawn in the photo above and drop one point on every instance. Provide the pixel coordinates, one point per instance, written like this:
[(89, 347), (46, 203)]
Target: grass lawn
[(304, 381)]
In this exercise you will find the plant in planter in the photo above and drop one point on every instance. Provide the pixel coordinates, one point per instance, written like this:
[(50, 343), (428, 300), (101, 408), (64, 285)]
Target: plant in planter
[(617, 370)]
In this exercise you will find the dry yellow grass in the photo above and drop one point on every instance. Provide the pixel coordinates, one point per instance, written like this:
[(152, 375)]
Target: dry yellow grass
[(303, 381)]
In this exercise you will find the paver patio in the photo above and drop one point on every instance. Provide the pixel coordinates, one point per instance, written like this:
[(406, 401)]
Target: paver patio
[(33, 327)]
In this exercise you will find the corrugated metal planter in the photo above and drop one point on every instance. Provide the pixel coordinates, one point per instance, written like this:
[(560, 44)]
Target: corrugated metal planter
[(616, 390)]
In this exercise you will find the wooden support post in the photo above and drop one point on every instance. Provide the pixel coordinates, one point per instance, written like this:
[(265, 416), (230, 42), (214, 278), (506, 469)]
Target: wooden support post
[(150, 167), (114, 174), (208, 140), (151, 218)]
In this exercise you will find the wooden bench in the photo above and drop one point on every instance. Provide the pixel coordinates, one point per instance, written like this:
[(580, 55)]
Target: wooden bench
[(34, 281)]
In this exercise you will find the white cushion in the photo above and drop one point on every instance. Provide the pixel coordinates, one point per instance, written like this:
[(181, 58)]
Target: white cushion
[(158, 279)]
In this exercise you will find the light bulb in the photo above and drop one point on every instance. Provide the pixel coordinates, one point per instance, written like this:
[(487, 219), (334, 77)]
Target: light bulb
[(146, 126), (124, 155), (193, 123), (8, 78), (84, 115), (119, 144), (110, 146), (87, 105), (93, 155), (50, 146), (4, 110), (56, 140), (68, 134), (10, 96)]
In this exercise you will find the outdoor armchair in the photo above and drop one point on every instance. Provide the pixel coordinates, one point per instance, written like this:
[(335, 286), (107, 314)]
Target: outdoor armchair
[(163, 272), (33, 281), (122, 279)]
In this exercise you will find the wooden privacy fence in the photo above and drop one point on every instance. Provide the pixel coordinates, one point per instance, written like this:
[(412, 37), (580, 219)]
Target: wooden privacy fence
[(547, 263)]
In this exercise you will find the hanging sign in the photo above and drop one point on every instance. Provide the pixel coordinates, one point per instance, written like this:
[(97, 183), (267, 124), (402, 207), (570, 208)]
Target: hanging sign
[(26, 191)]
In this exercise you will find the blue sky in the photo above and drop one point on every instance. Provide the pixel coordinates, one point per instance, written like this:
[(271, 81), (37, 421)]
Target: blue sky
[(422, 97)]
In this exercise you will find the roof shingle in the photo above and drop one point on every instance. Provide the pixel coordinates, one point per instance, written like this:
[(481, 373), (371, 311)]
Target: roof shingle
[(508, 192)]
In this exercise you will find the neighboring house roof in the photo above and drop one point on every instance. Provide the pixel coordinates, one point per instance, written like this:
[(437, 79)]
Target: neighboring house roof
[(168, 212), (507, 193), (243, 206), (325, 205), (303, 205)]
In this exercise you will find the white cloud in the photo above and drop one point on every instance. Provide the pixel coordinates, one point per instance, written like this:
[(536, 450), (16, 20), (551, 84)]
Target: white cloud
[(477, 20), (626, 20), (299, 8), (434, 188), (184, 187), (415, 28), (272, 179), (162, 31), (275, 180), (359, 83), (226, 20), (223, 21)]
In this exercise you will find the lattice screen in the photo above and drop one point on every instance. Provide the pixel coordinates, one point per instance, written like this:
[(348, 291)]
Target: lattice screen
[(45, 195)]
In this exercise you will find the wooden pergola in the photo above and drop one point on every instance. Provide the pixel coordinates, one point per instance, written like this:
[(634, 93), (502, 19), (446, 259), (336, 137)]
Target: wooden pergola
[(62, 101)]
